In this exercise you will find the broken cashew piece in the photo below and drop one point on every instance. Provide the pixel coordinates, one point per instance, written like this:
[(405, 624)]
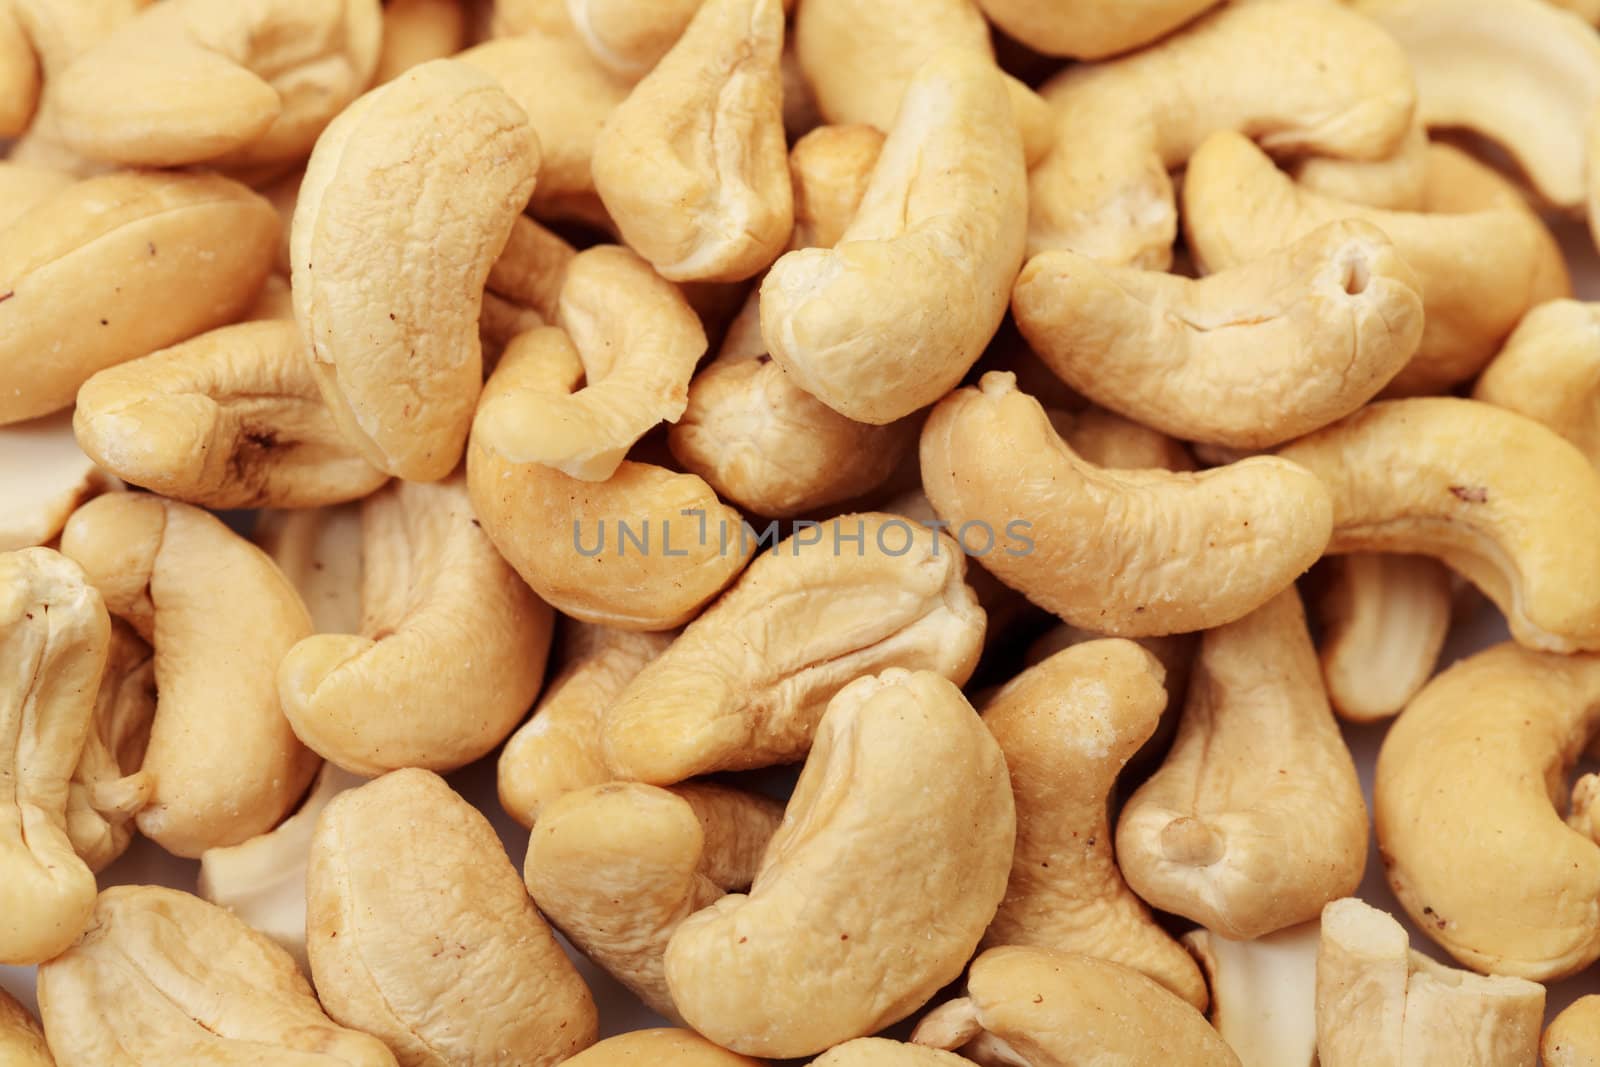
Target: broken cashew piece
[(1221, 542), (1067, 727), (22, 1041), (1263, 993), (1248, 357), (44, 477), (444, 969), (1090, 29), (1549, 370), (109, 786), (1384, 621), (1382, 1004), (899, 757), (659, 1048), (1493, 495), (401, 374), (1573, 1037)]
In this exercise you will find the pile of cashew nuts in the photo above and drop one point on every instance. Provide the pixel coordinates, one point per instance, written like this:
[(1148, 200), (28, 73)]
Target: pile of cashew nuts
[(950, 401)]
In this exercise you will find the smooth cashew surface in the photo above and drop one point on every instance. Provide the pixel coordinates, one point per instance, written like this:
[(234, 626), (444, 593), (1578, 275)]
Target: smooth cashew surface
[(1384, 621), (1263, 993), (445, 969), (881, 1052), (224, 762), (415, 31), (1549, 370), (807, 960), (22, 1041), (1493, 495), (1398, 183), (109, 786), (44, 476), (1090, 29), (629, 38), (659, 1048), (19, 75), (1573, 1037), (163, 977), (532, 269), (22, 186), (319, 551), (1210, 547)]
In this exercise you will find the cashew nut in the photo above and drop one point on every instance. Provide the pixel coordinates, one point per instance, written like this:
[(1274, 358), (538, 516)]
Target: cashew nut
[(880, 1052), (44, 476), (1573, 1037), (1381, 1004), (1067, 727), (1263, 999), (1214, 546), (618, 867), (416, 31), (451, 650), (445, 969), (891, 318), (1249, 357), (1384, 621), (319, 551), (627, 37), (401, 373), (109, 786), (1495, 496), (21, 1040), (1549, 370), (163, 977), (748, 680), (532, 269), (830, 168), (22, 186), (904, 791), (1398, 183), (659, 1048), (116, 267), (220, 616), (1090, 29), (19, 74)]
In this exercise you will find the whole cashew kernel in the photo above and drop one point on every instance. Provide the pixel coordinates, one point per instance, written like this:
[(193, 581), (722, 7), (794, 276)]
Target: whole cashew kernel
[(109, 786), (1573, 1038), (1493, 495), (163, 977), (746, 683), (44, 476), (1067, 727), (451, 651), (1249, 357), (659, 1048), (220, 615), (401, 373), (22, 1041), (444, 969), (54, 634), (1090, 29), (1213, 546), (618, 867), (901, 768), (1549, 370), (881, 1052), (1384, 621), (1255, 820), (416, 31), (1263, 993)]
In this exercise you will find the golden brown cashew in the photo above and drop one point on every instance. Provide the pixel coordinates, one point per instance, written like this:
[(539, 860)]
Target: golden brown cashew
[(109, 786), (617, 867), (1090, 29), (1248, 357), (1067, 727), (1384, 621), (1480, 266), (1398, 183), (19, 74), (904, 791), (239, 84), (880, 1052), (892, 317), (659, 1048), (163, 977), (416, 31), (1573, 1037), (1255, 820), (1380, 1004), (229, 419), (220, 616), (319, 551), (116, 267), (446, 969), (583, 546), (54, 634), (1301, 78), (747, 682), (692, 166), (451, 650), (1263, 993), (401, 373), (1549, 370), (558, 750), (22, 1041), (1058, 1009), (1466, 780), (638, 339), (1210, 547), (44, 476), (1495, 496)]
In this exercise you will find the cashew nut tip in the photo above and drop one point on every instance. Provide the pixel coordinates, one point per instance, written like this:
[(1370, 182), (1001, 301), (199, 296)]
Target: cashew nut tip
[(1549, 370), (1263, 993)]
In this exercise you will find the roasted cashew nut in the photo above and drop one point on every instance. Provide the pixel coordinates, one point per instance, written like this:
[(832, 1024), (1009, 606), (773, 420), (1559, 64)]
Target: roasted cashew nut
[(1384, 622), (1549, 370), (1263, 993), (109, 786), (659, 1048), (44, 476)]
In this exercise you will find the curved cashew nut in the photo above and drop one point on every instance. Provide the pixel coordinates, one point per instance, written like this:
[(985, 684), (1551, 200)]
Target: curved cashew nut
[(1221, 543), (1263, 993), (1301, 78), (1380, 1004), (240, 84), (54, 634), (319, 551), (20, 79), (116, 267), (1294, 341), (451, 651), (1398, 183), (891, 318), (402, 373), (229, 419), (558, 750), (617, 867), (659, 1048), (881, 1052), (1384, 621), (220, 617), (109, 786), (1495, 496), (584, 546), (692, 166), (1573, 1037), (444, 970), (1549, 370), (639, 341), (1255, 820), (416, 31), (1090, 29), (1067, 727), (163, 977), (1479, 267), (1466, 780), (905, 791), (44, 476), (747, 682), (22, 1041), (1059, 1009)]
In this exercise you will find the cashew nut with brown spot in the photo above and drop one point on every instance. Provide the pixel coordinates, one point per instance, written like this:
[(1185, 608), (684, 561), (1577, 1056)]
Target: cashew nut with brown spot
[(1384, 621), (109, 786), (44, 477)]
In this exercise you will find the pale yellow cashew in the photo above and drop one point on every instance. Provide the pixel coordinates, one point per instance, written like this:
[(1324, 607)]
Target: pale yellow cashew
[(659, 1048), (532, 270), (44, 476), (881, 1052), (109, 786), (1090, 29), (1573, 1037), (19, 74), (1398, 183), (1549, 370), (1263, 993), (627, 37), (22, 186), (319, 551), (22, 1041), (1384, 621), (416, 31)]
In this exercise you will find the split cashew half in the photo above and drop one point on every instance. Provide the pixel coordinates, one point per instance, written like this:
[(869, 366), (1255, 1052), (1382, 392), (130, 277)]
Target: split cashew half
[(1263, 993), (1549, 370), (44, 477), (1384, 622)]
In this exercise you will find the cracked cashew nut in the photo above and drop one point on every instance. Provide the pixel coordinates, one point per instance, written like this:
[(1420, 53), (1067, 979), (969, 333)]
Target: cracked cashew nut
[(109, 786), (1549, 370), (1263, 993), (1384, 621), (44, 477)]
